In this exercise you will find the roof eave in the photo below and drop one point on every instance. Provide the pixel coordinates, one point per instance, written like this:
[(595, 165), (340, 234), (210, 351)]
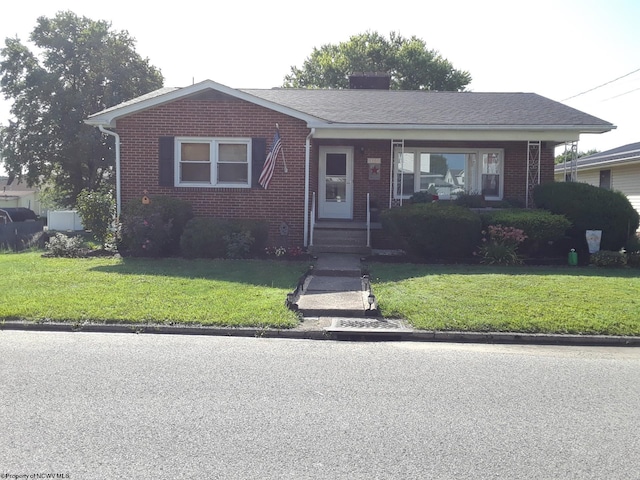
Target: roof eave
[(109, 118), (599, 165), (552, 133), (395, 126)]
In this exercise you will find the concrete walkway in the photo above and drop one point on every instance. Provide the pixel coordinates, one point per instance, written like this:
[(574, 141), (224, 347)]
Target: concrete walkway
[(335, 287), (337, 299)]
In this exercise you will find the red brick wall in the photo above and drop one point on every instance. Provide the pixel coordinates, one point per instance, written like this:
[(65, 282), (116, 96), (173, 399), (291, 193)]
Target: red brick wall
[(283, 201)]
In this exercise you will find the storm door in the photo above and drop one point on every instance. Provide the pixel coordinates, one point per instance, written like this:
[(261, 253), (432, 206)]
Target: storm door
[(335, 196)]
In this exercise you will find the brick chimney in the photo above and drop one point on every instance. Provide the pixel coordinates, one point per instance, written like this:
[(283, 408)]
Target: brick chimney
[(370, 81)]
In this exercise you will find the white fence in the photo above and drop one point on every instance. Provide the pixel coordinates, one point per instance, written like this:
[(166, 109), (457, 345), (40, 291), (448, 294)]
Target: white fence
[(64, 220)]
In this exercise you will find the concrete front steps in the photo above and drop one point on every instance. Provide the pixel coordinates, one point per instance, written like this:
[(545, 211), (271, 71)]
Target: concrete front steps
[(340, 237)]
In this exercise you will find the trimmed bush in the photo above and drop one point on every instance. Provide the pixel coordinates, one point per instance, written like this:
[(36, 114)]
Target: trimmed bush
[(220, 238), (541, 227), (607, 258), (434, 231), (146, 235), (470, 200), (421, 197), (161, 222), (590, 208)]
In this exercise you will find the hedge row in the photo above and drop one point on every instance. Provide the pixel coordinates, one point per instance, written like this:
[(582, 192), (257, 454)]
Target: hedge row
[(165, 226)]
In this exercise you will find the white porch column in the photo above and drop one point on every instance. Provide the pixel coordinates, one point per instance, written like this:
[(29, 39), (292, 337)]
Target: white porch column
[(534, 150)]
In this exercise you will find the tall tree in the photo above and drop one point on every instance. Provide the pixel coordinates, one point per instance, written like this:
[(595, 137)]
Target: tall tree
[(411, 65), (81, 67)]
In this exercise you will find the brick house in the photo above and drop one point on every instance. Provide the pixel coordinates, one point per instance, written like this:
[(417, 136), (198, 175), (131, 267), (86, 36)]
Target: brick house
[(342, 151)]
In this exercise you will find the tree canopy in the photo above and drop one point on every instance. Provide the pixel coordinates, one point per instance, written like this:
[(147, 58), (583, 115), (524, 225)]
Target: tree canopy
[(567, 156), (81, 67), (410, 63)]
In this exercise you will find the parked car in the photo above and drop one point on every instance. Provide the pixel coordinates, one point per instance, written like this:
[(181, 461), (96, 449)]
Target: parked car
[(17, 214)]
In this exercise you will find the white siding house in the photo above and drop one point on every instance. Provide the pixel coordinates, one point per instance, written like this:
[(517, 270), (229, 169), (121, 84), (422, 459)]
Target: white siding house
[(16, 194)]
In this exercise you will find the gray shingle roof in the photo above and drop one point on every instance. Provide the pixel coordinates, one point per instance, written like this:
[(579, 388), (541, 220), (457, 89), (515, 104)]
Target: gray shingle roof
[(388, 107), (623, 154), (428, 108)]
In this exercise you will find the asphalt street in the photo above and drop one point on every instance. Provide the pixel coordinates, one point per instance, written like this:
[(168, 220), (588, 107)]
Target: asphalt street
[(95, 405)]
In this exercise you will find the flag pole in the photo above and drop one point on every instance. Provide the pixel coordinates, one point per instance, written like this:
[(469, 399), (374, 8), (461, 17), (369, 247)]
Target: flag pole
[(284, 160)]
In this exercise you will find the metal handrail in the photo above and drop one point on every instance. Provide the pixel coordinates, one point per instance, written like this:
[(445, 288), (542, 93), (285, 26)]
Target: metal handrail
[(313, 219), (368, 220)]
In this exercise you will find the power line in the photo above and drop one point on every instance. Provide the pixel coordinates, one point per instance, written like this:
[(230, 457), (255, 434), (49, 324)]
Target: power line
[(600, 86), (622, 94)]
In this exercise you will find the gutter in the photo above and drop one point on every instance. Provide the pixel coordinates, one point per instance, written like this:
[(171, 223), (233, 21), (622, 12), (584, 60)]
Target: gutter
[(602, 164), (307, 161), (117, 137), (422, 127)]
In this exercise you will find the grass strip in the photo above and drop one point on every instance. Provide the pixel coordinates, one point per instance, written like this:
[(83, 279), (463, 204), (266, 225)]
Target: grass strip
[(516, 299), (234, 293)]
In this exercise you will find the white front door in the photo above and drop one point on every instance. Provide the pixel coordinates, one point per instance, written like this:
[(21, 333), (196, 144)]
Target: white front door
[(335, 183)]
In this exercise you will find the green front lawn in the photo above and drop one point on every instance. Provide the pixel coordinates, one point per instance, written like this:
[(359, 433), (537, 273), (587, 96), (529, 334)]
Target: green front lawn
[(243, 293), (521, 299), (208, 292)]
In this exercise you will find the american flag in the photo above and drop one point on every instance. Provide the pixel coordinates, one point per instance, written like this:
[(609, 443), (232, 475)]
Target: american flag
[(270, 162)]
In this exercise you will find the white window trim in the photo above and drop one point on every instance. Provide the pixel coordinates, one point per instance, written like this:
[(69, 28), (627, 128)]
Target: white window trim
[(213, 157), (468, 188)]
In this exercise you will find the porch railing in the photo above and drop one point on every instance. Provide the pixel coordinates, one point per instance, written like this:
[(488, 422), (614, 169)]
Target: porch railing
[(313, 219), (368, 220)]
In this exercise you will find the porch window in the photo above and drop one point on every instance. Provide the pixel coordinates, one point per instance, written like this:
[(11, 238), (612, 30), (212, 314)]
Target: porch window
[(213, 162), (448, 173)]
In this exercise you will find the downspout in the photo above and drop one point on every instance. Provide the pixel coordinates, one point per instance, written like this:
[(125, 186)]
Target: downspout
[(117, 137), (307, 161)]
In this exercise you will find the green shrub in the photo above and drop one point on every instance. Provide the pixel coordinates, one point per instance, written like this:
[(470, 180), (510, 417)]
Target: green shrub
[(633, 244), (219, 238), (470, 200), (97, 209), (204, 238), (590, 208), (146, 236), (500, 248), (421, 197), (61, 245), (608, 258), (633, 259), (541, 227), (165, 219), (633, 251), (434, 231), (239, 244)]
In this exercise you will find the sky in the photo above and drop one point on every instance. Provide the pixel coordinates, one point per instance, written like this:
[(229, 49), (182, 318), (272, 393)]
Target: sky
[(556, 48)]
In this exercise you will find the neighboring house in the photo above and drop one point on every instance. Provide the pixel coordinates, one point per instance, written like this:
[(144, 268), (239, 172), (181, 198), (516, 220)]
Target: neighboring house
[(16, 194), (616, 169), (207, 143)]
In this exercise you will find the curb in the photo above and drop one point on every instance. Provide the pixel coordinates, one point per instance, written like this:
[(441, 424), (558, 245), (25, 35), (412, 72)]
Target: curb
[(320, 334)]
